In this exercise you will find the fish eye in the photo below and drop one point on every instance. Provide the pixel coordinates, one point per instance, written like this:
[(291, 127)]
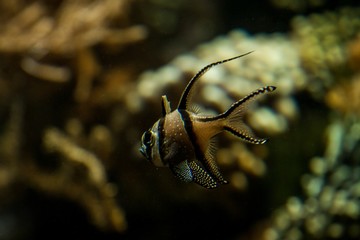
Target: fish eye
[(146, 137), (147, 141)]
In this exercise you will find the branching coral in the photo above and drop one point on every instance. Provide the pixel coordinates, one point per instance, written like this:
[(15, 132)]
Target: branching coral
[(38, 30), (82, 178), (331, 206), (322, 40), (55, 41), (344, 96), (46, 39)]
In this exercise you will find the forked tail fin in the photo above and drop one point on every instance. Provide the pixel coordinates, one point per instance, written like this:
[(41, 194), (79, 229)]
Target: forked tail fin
[(234, 116)]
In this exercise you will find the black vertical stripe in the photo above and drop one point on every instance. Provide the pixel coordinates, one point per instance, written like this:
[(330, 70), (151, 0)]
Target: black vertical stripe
[(161, 132), (190, 131)]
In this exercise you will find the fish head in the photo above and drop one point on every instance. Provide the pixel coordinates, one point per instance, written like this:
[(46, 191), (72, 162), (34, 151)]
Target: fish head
[(150, 145), (146, 144)]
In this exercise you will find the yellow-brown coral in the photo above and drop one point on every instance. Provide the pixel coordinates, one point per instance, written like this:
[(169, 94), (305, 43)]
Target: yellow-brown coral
[(344, 97), (322, 40)]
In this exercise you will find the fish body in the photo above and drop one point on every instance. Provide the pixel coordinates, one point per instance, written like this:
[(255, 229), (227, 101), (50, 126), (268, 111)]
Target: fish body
[(183, 139)]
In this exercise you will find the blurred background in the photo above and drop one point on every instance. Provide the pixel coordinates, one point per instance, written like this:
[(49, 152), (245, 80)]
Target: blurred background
[(80, 80)]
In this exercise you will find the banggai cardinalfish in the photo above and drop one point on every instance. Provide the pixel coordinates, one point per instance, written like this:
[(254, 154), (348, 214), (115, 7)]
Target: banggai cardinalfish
[(182, 139)]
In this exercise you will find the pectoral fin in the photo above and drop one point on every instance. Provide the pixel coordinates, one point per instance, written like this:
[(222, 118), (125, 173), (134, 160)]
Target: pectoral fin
[(182, 171)]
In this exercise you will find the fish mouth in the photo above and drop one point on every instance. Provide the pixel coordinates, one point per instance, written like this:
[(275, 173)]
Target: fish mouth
[(143, 152)]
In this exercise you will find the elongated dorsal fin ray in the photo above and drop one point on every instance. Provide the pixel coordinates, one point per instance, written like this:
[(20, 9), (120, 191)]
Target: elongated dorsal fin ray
[(188, 92), (165, 105)]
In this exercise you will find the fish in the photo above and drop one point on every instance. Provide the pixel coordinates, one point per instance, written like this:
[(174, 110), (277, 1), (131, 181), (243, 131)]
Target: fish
[(183, 139)]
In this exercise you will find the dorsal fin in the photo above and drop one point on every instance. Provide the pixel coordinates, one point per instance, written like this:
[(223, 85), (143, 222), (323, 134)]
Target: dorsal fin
[(165, 105), (187, 94)]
